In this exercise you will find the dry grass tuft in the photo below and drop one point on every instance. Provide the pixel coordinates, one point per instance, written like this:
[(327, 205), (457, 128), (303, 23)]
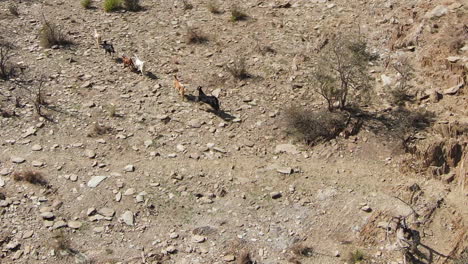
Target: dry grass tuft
[(356, 256), (99, 130), (13, 10), (213, 7), (238, 69), (86, 4), (187, 5), (244, 258), (33, 177), (237, 14), (195, 37), (51, 35)]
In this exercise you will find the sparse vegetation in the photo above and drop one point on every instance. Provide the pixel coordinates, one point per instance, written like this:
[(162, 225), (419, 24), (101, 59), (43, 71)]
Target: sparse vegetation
[(112, 5), (213, 7), (356, 256), (244, 258), (313, 127), (99, 130), (237, 14), (51, 34), (132, 5), (238, 69), (13, 9), (463, 259), (302, 250), (341, 71), (6, 53), (86, 4), (195, 37), (187, 5), (33, 177), (399, 94)]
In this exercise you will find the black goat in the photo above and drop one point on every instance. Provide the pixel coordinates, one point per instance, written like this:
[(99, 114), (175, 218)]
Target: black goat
[(109, 48), (211, 100)]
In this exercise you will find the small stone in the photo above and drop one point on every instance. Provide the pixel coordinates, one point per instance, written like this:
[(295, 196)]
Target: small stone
[(180, 148), (229, 258), (37, 163), (198, 239), (275, 195), (148, 143), (36, 147), (98, 229), (28, 234), (47, 215), (17, 160), (366, 209), (108, 212), (90, 211), (4, 172), (336, 254), (2, 182), (17, 255), (195, 123), (128, 218), (12, 245), (286, 148), (173, 235), (73, 177), (129, 168), (452, 90), (59, 224), (285, 170), (95, 181), (171, 250), (205, 200), (90, 153), (129, 191), (118, 197), (74, 224)]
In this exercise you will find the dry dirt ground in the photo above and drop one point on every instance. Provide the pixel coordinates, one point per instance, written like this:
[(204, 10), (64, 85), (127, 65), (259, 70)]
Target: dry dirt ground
[(183, 185)]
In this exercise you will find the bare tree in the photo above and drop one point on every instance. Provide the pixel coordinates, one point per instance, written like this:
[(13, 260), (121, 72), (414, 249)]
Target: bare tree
[(341, 71)]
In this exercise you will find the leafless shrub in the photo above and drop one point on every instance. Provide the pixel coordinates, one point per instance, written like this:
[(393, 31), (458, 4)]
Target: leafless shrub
[(33, 177), (238, 69), (187, 5), (213, 7), (463, 259), (13, 9), (341, 71), (302, 250), (314, 127), (355, 256), (399, 93), (132, 5), (237, 14), (7, 70), (51, 35), (244, 258), (99, 130), (195, 37)]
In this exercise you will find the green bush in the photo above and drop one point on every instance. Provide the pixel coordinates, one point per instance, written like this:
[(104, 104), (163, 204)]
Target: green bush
[(86, 4), (237, 14), (112, 5)]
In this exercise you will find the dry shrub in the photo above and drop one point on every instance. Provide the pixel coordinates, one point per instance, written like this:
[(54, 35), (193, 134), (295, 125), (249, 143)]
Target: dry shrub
[(33, 177), (244, 258), (187, 5), (132, 5), (302, 250), (13, 10), (2, 196), (213, 7), (237, 14), (355, 256), (238, 69), (51, 35), (86, 4), (195, 37), (99, 130), (312, 127), (463, 259), (7, 70)]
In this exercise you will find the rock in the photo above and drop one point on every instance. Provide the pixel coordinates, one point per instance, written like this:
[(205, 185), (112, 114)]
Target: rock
[(95, 181), (17, 255), (47, 215), (30, 131), (275, 195), (108, 212), (118, 197), (128, 218), (2, 182), (205, 200), (37, 163), (59, 224), (366, 209), (129, 168), (216, 92), (198, 239), (171, 250), (90, 153), (453, 90), (195, 123), (386, 80), (148, 143), (438, 11), (13, 245), (453, 59), (28, 234), (229, 258), (180, 148), (129, 191), (98, 229), (336, 254), (36, 147), (286, 148), (285, 170), (73, 177), (17, 160), (74, 224), (173, 235), (90, 211), (141, 197), (4, 172)]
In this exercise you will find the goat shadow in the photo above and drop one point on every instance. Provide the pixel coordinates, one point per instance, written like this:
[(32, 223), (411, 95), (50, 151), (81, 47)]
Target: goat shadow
[(220, 113), (151, 75)]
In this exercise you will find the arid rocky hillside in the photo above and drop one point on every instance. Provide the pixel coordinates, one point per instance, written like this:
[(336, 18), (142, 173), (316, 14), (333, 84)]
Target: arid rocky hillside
[(102, 164)]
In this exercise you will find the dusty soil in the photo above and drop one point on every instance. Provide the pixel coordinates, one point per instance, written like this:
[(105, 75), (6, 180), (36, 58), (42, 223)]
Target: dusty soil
[(185, 185)]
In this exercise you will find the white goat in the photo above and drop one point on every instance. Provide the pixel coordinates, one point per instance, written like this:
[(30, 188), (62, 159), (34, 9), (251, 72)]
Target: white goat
[(139, 64), (97, 37)]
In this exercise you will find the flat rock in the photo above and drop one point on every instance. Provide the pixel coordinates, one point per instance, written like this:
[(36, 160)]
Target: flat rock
[(366, 209), (17, 160), (95, 181), (195, 123), (108, 212), (438, 11), (59, 224), (37, 163), (2, 182), (229, 258), (90, 153), (73, 177), (198, 239), (452, 90), (129, 168), (74, 224), (128, 218), (286, 148), (36, 147), (285, 170), (275, 195), (47, 215), (27, 234), (216, 92), (5, 172)]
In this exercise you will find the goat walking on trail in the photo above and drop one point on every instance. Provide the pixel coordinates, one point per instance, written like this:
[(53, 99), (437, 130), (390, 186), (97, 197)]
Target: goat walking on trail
[(208, 99), (108, 48)]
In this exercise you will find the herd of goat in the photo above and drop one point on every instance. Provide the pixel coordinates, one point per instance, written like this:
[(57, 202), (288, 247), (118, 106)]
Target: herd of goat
[(137, 65)]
